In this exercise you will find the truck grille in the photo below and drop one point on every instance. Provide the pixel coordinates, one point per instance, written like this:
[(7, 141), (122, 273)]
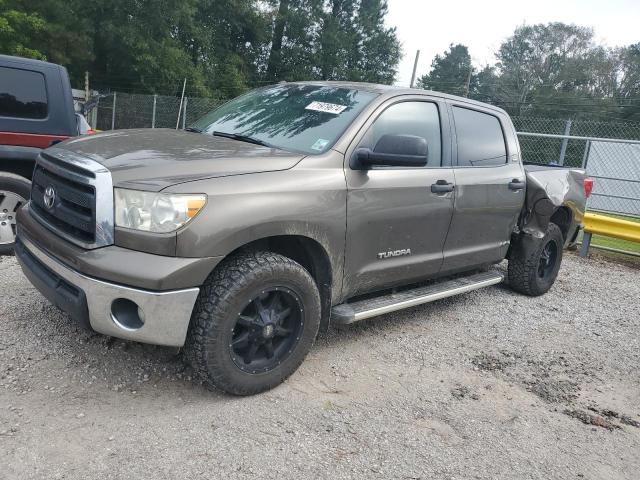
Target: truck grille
[(74, 207), (66, 198)]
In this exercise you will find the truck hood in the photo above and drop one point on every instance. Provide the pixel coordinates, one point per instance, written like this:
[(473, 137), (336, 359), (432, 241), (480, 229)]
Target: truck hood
[(153, 159)]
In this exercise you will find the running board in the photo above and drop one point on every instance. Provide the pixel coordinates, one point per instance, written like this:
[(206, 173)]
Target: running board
[(372, 307)]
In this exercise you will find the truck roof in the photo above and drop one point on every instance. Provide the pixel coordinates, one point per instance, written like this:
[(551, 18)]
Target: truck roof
[(393, 90), (27, 62)]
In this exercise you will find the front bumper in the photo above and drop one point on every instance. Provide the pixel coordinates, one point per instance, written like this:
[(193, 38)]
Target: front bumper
[(162, 316)]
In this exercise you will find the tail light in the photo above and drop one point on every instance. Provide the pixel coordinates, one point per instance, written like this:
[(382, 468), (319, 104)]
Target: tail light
[(588, 186)]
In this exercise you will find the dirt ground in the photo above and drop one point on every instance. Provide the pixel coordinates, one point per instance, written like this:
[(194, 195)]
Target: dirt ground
[(488, 385)]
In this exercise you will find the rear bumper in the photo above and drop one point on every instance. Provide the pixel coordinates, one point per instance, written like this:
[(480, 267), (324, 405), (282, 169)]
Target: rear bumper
[(162, 317)]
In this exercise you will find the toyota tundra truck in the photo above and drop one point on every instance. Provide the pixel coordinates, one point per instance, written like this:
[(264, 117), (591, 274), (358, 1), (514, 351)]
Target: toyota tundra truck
[(284, 210)]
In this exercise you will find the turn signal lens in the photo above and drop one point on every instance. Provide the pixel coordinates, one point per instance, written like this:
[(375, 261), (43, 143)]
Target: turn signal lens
[(194, 205), (588, 186)]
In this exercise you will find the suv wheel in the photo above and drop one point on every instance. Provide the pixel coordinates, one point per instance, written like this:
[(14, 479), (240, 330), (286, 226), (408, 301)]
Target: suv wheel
[(14, 192), (535, 274), (255, 320)]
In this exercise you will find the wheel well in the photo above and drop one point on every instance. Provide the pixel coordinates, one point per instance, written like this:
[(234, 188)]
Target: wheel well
[(562, 217), (22, 168), (308, 253)]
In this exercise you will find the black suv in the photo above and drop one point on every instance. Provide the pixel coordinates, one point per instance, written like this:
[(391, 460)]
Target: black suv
[(36, 111)]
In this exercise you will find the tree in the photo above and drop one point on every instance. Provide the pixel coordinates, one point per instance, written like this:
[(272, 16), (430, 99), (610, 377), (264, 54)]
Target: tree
[(226, 40), (553, 69), (332, 40), (451, 72), (221, 47), (628, 89), (377, 46), (17, 28), (293, 40)]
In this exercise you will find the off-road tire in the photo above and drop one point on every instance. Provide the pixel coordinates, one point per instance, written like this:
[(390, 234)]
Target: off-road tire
[(224, 294), (18, 185), (523, 270)]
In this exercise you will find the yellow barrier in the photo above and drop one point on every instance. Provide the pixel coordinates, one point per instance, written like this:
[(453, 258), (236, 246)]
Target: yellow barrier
[(609, 227)]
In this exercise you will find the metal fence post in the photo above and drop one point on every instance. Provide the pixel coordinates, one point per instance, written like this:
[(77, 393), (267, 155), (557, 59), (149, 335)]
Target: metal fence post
[(587, 147), (184, 113), (94, 115), (113, 112), (563, 149), (153, 112), (586, 243)]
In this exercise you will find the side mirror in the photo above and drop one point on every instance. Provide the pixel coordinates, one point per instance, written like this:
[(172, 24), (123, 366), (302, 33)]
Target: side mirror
[(393, 151)]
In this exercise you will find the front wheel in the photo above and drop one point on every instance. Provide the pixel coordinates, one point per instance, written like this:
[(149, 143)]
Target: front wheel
[(255, 320), (14, 192), (534, 272)]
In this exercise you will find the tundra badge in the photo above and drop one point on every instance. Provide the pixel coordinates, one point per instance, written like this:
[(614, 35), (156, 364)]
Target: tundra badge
[(394, 253)]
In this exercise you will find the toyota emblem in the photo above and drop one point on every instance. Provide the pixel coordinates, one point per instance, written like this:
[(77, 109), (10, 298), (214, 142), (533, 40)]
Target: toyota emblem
[(49, 197)]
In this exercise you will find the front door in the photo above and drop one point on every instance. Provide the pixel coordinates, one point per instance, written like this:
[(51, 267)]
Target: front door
[(396, 224)]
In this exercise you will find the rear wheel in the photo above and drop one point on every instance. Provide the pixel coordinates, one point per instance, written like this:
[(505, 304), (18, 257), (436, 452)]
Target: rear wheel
[(256, 319), (14, 192), (533, 273)]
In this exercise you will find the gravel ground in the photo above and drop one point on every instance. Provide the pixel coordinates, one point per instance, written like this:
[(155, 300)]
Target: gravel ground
[(490, 385)]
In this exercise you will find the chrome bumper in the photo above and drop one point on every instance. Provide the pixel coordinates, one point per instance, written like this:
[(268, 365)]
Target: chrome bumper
[(164, 316)]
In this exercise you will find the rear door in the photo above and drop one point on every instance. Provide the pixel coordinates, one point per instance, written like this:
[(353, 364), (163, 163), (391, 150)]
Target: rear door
[(490, 187), (396, 226), (36, 104)]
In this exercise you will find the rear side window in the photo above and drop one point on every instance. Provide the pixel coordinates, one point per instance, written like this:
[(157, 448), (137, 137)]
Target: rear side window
[(22, 94), (480, 139), (419, 119)]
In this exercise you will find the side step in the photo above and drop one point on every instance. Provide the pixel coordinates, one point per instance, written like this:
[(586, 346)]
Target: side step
[(372, 307)]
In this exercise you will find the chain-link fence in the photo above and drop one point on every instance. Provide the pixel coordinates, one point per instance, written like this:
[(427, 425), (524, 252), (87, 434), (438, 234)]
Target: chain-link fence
[(610, 153), (128, 110)]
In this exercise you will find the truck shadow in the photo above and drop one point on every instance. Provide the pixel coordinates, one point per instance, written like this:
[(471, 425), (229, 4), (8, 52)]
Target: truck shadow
[(93, 360)]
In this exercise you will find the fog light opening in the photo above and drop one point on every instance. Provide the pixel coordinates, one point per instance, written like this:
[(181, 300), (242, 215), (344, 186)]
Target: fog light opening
[(127, 314)]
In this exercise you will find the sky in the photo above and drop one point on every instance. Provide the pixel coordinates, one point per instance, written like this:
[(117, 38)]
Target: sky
[(481, 25)]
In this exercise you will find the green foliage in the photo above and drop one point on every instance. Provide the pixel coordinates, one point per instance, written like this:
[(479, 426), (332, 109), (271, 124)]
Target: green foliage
[(222, 47), (450, 72), (549, 70), (332, 40), (17, 28)]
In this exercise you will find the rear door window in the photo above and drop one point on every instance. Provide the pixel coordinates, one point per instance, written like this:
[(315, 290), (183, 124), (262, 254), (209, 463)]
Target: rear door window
[(22, 94), (480, 139)]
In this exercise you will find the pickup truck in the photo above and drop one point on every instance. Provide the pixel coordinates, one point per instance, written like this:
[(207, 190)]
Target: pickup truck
[(285, 209), (36, 111)]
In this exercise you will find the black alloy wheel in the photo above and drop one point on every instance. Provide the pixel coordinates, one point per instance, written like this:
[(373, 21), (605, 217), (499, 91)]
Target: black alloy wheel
[(548, 258), (267, 330), (255, 320), (534, 269)]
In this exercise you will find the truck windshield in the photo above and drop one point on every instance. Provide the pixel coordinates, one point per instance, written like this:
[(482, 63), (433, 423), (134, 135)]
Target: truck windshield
[(300, 118)]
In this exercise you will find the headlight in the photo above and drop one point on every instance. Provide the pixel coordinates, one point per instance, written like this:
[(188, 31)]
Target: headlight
[(155, 212)]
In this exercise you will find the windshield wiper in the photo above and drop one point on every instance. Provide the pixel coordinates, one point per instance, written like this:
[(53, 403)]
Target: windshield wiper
[(193, 129), (242, 138)]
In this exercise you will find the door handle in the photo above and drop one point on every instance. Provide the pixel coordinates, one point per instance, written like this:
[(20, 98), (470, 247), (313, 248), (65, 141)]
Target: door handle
[(516, 184), (441, 186)]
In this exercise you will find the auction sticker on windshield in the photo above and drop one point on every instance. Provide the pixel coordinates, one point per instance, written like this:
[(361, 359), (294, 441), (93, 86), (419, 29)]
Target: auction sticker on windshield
[(326, 107)]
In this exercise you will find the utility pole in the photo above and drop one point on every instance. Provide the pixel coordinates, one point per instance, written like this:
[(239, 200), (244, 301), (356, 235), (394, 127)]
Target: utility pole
[(415, 66)]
